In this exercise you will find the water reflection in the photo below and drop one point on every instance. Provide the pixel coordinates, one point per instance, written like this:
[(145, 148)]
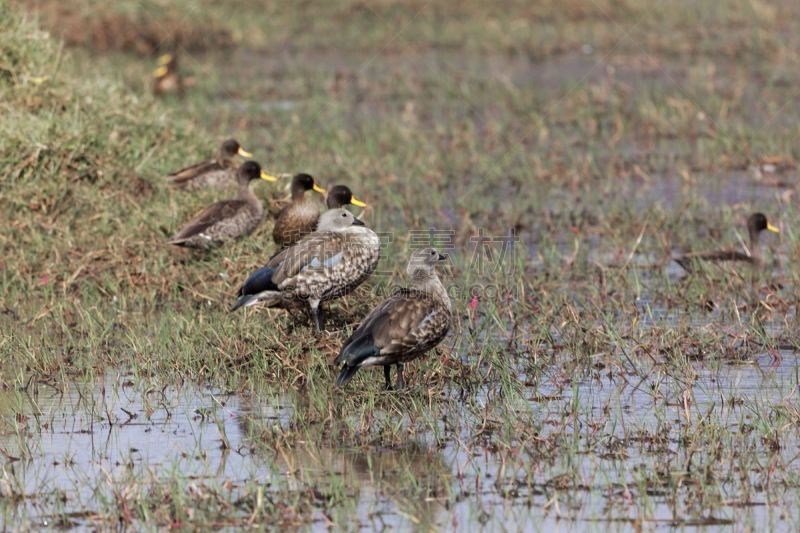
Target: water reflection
[(391, 486), (67, 446)]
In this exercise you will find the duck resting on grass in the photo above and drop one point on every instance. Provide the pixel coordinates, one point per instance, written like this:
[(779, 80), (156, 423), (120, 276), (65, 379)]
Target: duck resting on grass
[(228, 219), (300, 217), (215, 173), (323, 265), (402, 328), (756, 223), (166, 77)]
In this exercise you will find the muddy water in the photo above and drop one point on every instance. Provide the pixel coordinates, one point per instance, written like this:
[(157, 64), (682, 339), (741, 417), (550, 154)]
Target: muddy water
[(67, 448)]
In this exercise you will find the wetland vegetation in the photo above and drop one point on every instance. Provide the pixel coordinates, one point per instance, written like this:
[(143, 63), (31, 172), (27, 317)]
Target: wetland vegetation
[(563, 153)]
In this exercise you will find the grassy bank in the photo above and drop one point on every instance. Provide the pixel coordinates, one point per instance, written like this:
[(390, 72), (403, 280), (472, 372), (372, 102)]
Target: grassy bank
[(590, 379)]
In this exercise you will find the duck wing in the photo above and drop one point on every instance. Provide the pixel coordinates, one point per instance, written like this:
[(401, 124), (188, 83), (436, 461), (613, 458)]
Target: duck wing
[(687, 261), (182, 177), (317, 251), (209, 216), (409, 322)]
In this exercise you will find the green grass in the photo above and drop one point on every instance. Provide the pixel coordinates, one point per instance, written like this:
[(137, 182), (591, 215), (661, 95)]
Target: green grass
[(608, 135)]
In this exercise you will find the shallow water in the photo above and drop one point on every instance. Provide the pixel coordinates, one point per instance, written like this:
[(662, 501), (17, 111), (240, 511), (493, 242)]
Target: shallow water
[(82, 441)]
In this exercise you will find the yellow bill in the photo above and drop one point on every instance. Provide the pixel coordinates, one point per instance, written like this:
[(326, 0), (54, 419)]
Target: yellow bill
[(268, 177), (244, 153), (164, 59), (356, 202), (319, 189), (772, 228), (160, 71)]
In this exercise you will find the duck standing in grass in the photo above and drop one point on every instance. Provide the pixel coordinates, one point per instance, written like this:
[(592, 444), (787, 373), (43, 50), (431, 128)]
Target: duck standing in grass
[(228, 219), (402, 328), (324, 265), (166, 77), (215, 173), (300, 217), (756, 223)]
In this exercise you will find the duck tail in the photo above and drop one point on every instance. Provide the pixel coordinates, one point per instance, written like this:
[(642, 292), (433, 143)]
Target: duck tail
[(271, 299), (258, 286), (345, 375), (356, 349), (353, 355), (244, 301)]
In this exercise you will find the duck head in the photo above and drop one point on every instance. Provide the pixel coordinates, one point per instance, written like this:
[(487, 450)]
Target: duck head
[(756, 223), (340, 196), (337, 220), (166, 63), (302, 183), (249, 171), (231, 148), (423, 262)]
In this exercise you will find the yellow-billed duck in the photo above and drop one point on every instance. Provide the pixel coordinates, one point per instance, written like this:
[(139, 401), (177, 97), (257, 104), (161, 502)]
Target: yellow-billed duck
[(403, 327), (324, 265), (228, 219), (756, 223), (300, 217), (166, 77), (219, 172)]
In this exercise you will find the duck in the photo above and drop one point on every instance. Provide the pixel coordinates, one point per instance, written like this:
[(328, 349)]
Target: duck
[(227, 219), (166, 76), (215, 173), (756, 223), (300, 217), (326, 264), (404, 327)]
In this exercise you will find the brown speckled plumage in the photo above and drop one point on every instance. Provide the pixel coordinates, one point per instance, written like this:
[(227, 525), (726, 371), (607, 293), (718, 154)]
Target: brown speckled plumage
[(300, 217), (403, 327), (228, 219), (324, 265), (215, 173)]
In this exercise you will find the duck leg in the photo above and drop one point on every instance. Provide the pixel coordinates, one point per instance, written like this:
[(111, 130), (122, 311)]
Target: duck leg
[(387, 376), (401, 384), (316, 315)]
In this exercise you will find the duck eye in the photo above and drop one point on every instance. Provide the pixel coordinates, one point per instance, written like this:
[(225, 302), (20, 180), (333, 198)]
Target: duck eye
[(344, 215)]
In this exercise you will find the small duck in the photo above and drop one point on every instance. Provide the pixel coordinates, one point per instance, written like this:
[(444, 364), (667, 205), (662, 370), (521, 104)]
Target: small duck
[(756, 223), (323, 265), (300, 217), (166, 77), (216, 173), (402, 328), (228, 219)]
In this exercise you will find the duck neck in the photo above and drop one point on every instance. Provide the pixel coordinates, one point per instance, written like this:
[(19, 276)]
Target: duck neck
[(246, 194), (298, 194), (429, 283), (755, 245)]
